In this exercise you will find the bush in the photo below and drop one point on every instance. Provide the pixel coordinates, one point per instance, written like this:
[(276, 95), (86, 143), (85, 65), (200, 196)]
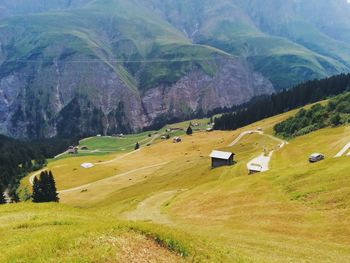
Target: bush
[(317, 117)]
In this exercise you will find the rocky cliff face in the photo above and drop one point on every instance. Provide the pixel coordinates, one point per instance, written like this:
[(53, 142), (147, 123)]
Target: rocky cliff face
[(234, 81), (81, 67), (85, 99)]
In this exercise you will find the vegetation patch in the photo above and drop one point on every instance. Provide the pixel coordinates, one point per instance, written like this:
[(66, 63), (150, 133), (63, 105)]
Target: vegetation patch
[(335, 113), (179, 242)]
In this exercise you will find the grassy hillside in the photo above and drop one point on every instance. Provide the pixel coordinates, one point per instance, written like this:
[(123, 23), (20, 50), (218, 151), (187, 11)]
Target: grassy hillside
[(166, 30), (121, 56), (108, 32), (286, 52), (56, 233), (276, 216)]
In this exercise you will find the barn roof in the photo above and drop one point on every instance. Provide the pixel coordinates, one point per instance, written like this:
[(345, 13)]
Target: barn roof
[(221, 155), (254, 167)]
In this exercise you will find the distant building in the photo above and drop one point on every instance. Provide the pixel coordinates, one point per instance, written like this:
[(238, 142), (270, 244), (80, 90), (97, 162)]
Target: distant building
[(87, 165), (177, 139), (219, 158), (254, 168), (73, 150)]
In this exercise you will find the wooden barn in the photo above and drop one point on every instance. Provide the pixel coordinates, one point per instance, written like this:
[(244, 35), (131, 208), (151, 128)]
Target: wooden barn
[(219, 158)]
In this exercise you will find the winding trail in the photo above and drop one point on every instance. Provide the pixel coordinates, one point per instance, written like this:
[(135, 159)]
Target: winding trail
[(31, 178), (150, 209), (118, 158), (85, 186), (242, 135), (261, 162), (61, 154)]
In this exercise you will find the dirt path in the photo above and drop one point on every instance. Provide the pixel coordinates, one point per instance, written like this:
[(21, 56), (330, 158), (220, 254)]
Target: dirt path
[(343, 151), (261, 163), (85, 186), (150, 208), (242, 135), (31, 178), (118, 158), (61, 154)]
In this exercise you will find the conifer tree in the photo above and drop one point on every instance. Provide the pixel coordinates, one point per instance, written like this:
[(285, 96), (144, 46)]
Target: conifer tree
[(44, 188), (189, 130), (53, 195), (37, 194)]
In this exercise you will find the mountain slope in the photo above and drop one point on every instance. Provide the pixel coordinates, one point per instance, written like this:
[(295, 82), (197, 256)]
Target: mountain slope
[(118, 66), (96, 57), (267, 34), (297, 209)]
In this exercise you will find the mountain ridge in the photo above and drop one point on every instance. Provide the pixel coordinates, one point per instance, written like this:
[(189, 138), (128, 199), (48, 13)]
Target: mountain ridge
[(130, 63)]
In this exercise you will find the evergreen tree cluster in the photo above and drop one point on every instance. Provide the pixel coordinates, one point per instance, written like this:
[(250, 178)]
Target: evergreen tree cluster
[(335, 113), (44, 188), (18, 158), (267, 106)]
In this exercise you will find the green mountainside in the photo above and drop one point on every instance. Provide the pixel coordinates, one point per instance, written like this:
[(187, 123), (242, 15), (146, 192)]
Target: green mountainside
[(133, 62)]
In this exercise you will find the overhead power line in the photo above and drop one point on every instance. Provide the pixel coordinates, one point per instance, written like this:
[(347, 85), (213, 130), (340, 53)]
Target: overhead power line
[(119, 60)]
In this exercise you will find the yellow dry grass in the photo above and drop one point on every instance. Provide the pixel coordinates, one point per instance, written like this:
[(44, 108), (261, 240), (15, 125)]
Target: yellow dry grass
[(296, 212)]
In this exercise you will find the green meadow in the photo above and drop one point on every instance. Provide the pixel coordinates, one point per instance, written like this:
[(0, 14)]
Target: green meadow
[(166, 201)]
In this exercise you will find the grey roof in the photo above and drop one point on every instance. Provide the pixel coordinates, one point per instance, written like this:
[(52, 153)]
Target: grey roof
[(221, 155), (255, 167)]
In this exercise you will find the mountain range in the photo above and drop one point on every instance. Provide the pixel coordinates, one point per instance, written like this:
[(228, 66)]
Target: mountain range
[(82, 67)]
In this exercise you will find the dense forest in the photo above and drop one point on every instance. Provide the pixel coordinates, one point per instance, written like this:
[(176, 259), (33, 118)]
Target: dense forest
[(18, 158), (268, 106), (335, 113)]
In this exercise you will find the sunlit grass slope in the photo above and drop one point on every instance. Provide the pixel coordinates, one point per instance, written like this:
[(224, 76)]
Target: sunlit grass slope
[(55, 233), (296, 212)]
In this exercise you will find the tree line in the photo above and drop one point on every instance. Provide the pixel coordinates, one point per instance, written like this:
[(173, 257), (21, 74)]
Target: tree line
[(18, 158), (335, 113), (267, 106)]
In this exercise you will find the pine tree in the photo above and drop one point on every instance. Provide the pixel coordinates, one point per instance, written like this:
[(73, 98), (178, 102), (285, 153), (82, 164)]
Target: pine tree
[(44, 188), (37, 194), (53, 195), (189, 130)]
